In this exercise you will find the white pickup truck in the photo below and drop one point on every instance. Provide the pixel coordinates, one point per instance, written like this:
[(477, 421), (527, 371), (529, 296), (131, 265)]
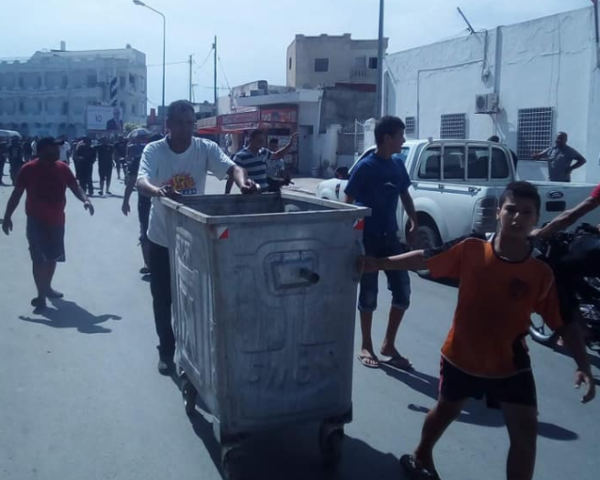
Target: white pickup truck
[(456, 185)]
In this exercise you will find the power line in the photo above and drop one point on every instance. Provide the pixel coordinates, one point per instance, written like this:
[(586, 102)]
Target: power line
[(206, 59), (224, 74), (167, 64)]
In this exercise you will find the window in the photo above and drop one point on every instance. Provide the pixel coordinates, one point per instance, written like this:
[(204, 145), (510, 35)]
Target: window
[(321, 64), (500, 164), (534, 131), (454, 163), (360, 62), (429, 169), (411, 126), (132, 82), (373, 63), (290, 63), (65, 108), (21, 106), (122, 81), (479, 163), (133, 109), (454, 126)]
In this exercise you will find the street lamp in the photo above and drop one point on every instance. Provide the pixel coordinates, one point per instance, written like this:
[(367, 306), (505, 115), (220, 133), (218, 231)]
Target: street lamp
[(142, 4), (380, 52)]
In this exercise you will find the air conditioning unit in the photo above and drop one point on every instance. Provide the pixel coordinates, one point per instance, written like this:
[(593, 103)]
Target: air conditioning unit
[(486, 103)]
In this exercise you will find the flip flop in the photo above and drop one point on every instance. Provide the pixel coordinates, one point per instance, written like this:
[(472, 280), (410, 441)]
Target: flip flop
[(363, 360), (415, 470), (398, 363)]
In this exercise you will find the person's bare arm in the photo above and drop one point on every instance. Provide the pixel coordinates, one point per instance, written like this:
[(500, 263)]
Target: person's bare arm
[(349, 199), (414, 260), (568, 218), (127, 195), (573, 338), (240, 178), (580, 161), (282, 152), (540, 156), (228, 185), (146, 188), (81, 196), (11, 206), (409, 207)]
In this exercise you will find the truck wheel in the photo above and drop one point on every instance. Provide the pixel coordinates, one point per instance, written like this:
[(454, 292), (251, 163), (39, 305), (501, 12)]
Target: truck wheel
[(428, 237)]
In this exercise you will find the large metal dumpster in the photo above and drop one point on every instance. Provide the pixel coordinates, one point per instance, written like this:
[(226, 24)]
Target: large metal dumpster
[(264, 300)]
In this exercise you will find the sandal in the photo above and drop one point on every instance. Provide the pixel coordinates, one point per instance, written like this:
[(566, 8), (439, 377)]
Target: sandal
[(399, 363), (415, 470), (365, 360)]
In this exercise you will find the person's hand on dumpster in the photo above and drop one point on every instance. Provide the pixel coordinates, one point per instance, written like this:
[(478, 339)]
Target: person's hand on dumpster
[(368, 264), (168, 191), (250, 187)]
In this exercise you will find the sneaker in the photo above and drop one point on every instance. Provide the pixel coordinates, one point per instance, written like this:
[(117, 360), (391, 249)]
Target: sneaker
[(100, 193), (108, 193), (39, 303), (144, 271)]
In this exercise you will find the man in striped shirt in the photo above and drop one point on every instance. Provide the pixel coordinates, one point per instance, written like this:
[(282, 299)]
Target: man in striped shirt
[(255, 157)]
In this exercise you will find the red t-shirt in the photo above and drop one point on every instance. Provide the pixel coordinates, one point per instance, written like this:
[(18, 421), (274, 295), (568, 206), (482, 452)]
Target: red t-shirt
[(46, 183), (596, 192)]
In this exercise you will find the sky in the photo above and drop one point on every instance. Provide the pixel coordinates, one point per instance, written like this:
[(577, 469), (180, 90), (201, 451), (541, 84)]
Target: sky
[(252, 35)]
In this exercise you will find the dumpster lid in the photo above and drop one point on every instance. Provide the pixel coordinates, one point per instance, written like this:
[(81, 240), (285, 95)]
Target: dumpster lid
[(266, 207)]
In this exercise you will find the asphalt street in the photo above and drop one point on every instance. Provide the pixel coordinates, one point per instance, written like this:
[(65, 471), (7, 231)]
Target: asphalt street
[(80, 396)]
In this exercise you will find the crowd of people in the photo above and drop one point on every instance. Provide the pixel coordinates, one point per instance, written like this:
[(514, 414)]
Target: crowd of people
[(501, 284)]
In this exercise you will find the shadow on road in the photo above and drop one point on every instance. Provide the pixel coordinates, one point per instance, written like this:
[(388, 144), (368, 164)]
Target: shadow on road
[(70, 315), (475, 412), (294, 454)]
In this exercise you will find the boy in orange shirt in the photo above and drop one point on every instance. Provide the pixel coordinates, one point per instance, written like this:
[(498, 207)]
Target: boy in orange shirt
[(485, 354)]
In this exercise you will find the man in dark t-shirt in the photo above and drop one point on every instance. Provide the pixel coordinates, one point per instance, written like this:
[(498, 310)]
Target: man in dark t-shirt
[(104, 153), (15, 158), (85, 156), (45, 179)]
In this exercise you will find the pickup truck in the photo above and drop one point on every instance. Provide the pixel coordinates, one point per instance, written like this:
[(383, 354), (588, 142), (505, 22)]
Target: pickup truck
[(456, 185)]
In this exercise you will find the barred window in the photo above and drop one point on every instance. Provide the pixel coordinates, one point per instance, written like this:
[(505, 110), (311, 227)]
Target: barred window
[(411, 125), (534, 131), (454, 125)]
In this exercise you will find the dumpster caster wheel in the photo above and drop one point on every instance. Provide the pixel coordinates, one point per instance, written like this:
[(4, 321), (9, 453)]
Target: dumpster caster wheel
[(331, 442), (189, 394), (232, 464)]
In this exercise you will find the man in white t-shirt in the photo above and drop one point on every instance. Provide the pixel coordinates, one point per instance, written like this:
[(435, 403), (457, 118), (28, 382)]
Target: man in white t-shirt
[(64, 149), (173, 167)]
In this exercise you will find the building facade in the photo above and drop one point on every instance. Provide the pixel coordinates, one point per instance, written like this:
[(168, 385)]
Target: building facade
[(49, 93), (325, 60), (523, 82)]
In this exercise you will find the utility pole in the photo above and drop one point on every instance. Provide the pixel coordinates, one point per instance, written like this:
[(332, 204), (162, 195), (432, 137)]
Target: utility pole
[(380, 49), (216, 57), (191, 79)]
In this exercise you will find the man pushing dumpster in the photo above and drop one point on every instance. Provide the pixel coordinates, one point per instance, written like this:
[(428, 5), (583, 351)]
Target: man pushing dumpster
[(174, 167)]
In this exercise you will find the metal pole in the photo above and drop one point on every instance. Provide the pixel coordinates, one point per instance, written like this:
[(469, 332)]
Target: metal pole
[(164, 74), (191, 87), (597, 33), (380, 49), (216, 57)]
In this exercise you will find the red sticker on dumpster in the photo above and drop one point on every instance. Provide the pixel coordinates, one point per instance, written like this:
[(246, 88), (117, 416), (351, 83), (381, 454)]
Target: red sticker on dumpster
[(359, 224), (222, 233)]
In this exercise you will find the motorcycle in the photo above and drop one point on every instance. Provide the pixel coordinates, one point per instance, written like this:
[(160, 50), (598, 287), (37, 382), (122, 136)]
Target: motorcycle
[(276, 183), (575, 259)]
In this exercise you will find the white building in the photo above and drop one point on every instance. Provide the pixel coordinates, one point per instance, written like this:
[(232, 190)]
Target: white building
[(48, 94), (326, 60), (529, 80)]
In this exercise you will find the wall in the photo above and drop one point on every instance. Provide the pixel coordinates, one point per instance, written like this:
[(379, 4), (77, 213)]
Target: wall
[(548, 62), (345, 106)]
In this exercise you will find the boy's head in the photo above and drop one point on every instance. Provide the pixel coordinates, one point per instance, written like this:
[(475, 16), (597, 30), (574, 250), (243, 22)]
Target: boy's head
[(389, 134), (519, 209)]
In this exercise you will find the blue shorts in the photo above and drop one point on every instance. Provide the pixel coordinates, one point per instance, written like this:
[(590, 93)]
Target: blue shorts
[(398, 281), (46, 242)]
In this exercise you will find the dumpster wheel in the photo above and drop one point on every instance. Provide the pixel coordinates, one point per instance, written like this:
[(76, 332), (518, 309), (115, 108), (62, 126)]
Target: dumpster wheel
[(189, 393), (331, 440)]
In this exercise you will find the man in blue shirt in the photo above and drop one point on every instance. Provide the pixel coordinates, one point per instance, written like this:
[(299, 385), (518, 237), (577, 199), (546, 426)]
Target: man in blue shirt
[(377, 182)]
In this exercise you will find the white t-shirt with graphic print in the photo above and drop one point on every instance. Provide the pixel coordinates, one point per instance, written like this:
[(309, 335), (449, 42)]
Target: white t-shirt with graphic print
[(185, 172)]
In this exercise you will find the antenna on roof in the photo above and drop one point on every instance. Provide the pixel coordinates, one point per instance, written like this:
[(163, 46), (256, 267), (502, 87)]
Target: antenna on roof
[(469, 26)]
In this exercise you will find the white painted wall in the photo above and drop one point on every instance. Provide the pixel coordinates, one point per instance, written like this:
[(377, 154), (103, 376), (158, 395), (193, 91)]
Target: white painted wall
[(547, 62)]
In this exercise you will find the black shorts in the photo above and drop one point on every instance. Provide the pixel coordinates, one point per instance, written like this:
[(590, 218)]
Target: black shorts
[(105, 168), (456, 385), (46, 242)]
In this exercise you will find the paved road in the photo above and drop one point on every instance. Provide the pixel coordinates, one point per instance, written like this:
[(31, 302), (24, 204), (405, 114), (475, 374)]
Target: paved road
[(80, 396)]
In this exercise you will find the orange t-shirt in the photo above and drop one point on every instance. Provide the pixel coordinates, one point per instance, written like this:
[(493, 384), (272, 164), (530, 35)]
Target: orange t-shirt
[(495, 301)]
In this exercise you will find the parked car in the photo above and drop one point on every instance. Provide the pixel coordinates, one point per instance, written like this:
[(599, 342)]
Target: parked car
[(456, 185)]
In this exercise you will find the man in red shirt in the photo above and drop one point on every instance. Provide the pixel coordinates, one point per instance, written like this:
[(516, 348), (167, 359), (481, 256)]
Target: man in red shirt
[(45, 179)]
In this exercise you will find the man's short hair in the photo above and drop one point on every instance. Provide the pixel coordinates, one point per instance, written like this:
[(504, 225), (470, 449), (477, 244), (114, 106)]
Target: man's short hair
[(523, 190), (180, 106), (494, 138), (562, 134), (387, 125), (256, 133), (274, 140)]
